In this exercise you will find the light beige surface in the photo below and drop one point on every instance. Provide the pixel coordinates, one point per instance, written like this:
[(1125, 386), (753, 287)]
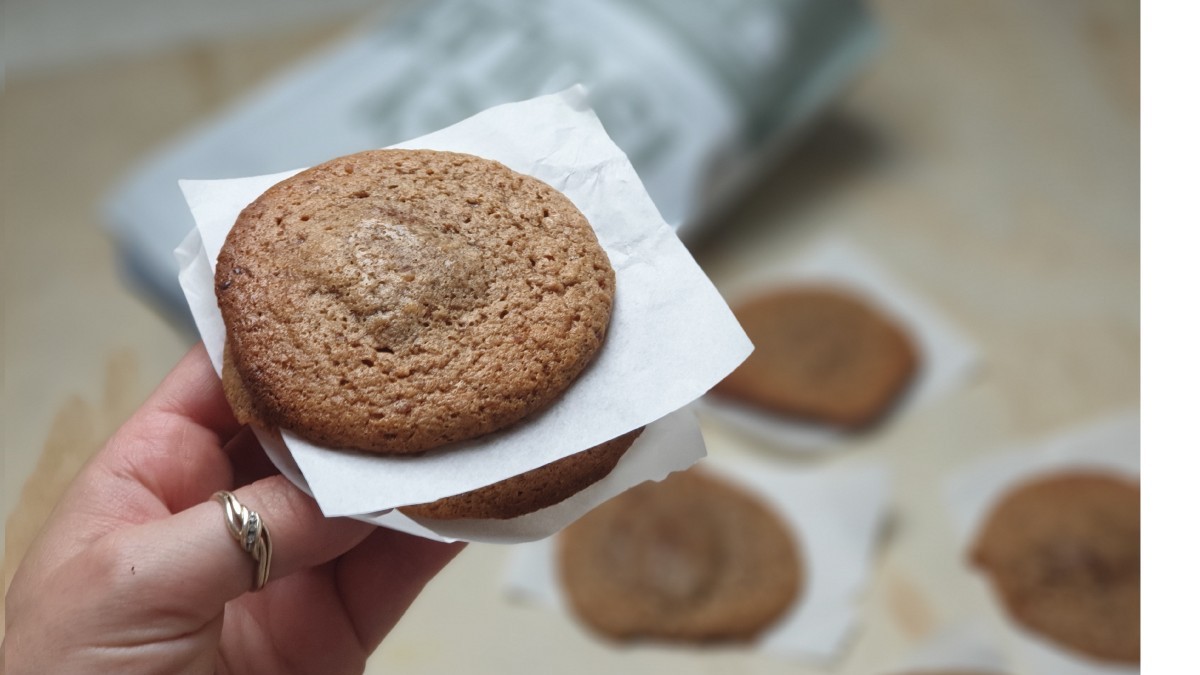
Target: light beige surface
[(990, 160)]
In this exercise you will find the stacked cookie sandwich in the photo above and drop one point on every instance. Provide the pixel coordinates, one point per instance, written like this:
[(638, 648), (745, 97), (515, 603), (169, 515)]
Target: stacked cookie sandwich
[(399, 301)]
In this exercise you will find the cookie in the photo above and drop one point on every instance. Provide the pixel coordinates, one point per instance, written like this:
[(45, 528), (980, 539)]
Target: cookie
[(820, 355), (690, 559), (244, 408), (1064, 555), (533, 490), (394, 301)]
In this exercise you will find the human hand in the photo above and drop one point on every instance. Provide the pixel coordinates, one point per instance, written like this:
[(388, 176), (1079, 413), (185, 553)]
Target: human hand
[(136, 572)]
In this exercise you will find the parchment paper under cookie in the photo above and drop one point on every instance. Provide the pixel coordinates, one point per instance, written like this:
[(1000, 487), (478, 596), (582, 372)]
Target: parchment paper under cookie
[(836, 515), (947, 357), (1110, 445), (671, 337)]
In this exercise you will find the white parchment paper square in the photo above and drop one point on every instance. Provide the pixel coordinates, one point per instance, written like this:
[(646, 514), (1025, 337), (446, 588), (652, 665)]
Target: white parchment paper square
[(836, 515), (670, 339), (1109, 445), (947, 357)]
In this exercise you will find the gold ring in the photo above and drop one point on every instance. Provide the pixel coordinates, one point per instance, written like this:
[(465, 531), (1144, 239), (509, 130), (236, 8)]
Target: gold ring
[(250, 532)]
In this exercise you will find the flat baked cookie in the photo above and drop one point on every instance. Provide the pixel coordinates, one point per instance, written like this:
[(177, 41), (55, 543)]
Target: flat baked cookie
[(821, 355), (1064, 555), (690, 559), (394, 301), (533, 490)]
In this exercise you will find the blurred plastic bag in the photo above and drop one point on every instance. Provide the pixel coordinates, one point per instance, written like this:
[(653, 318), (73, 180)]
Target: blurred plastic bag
[(698, 98)]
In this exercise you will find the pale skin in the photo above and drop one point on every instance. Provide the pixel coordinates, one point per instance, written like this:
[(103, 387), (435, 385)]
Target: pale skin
[(135, 571)]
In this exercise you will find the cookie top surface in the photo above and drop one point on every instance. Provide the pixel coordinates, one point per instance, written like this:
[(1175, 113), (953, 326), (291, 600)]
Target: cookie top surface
[(1064, 555), (533, 490), (398, 300), (690, 559), (822, 355)]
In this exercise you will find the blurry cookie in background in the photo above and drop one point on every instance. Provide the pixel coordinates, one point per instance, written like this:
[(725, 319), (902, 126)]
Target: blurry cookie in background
[(1064, 555), (689, 559), (821, 355)]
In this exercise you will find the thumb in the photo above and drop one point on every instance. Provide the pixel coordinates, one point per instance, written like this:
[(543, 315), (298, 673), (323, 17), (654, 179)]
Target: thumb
[(191, 562)]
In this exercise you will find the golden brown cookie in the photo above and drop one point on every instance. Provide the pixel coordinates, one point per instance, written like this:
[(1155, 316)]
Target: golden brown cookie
[(395, 301), (822, 355), (1064, 555), (690, 559), (533, 490), (240, 402)]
